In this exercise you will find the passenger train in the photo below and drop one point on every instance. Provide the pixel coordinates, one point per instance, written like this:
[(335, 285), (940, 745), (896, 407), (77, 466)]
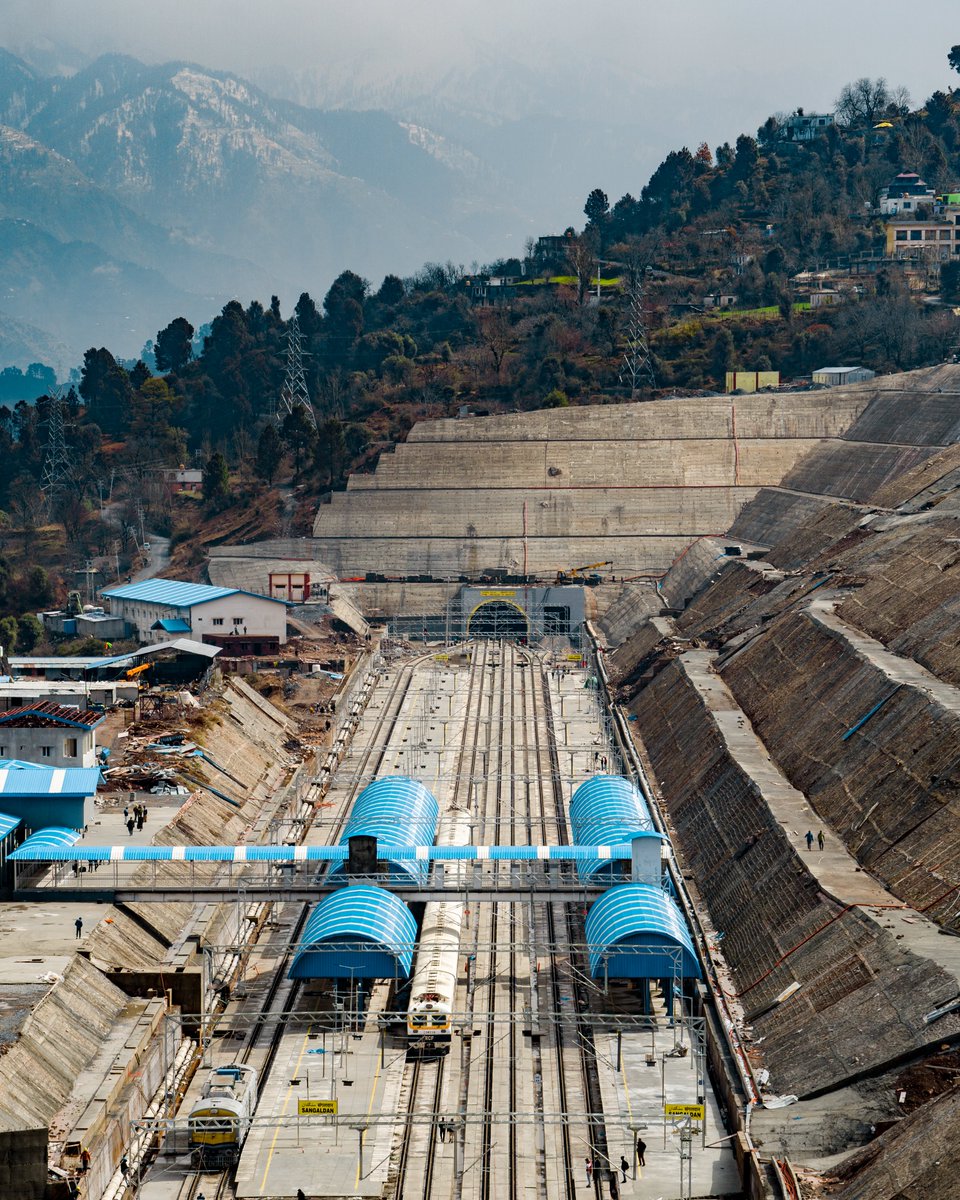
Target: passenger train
[(220, 1120), (434, 985), (433, 988)]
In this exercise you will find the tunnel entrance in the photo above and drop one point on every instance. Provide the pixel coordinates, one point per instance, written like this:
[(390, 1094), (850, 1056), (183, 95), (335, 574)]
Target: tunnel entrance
[(499, 619)]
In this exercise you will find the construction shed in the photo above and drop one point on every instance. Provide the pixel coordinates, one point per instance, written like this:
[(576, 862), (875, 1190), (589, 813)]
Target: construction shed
[(47, 796)]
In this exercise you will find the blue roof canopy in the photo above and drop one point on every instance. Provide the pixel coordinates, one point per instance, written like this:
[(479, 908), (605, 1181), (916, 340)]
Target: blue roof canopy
[(607, 810), (397, 812), (357, 933), (51, 839), (635, 931), (19, 779), (7, 825)]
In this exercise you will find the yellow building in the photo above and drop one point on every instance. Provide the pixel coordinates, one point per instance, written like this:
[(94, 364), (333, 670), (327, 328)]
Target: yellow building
[(923, 239), (751, 381)]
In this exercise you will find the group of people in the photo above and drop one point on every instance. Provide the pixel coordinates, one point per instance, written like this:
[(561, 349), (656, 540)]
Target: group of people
[(136, 816), (445, 1129), (600, 760), (809, 838), (641, 1150)]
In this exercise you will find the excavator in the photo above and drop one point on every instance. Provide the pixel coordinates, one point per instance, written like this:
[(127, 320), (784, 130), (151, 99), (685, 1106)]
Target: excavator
[(576, 574)]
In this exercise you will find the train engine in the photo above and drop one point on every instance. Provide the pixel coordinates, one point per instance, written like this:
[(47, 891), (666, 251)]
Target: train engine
[(434, 986), (220, 1120)]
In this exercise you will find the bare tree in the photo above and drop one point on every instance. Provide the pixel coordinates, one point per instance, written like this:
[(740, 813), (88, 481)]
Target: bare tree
[(496, 333), (582, 257), (862, 102)]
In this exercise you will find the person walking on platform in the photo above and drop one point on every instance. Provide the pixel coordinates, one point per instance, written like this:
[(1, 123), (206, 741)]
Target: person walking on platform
[(641, 1151), (820, 838), (588, 1167), (624, 1167), (78, 926), (130, 824), (809, 836)]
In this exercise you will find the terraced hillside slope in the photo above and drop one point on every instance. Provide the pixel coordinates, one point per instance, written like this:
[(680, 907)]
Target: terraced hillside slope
[(818, 690), (633, 484)]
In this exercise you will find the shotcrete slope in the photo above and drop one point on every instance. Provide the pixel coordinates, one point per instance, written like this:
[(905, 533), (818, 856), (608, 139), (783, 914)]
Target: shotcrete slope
[(540, 492), (824, 696)]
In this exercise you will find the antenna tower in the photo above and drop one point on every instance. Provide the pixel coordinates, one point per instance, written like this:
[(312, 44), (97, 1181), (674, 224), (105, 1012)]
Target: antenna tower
[(637, 370), (56, 465), (294, 391)]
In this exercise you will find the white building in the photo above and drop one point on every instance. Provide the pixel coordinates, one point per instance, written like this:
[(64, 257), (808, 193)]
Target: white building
[(835, 376), (50, 735), (241, 622)]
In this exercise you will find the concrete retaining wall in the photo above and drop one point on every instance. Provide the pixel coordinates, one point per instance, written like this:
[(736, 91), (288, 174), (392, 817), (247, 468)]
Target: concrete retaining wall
[(889, 790), (857, 1008)]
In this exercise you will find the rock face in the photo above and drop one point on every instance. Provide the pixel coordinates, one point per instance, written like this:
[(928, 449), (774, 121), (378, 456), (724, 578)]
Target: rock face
[(819, 689)]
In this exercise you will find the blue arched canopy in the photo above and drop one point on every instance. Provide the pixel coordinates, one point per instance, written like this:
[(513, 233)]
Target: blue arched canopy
[(357, 933), (607, 810), (397, 812), (636, 931)]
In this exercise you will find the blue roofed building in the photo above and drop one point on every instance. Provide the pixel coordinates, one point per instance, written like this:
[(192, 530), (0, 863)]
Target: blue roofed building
[(44, 796), (240, 622)]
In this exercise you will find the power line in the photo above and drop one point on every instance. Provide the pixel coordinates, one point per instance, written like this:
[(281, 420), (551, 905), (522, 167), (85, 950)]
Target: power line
[(637, 368), (57, 468), (294, 392)]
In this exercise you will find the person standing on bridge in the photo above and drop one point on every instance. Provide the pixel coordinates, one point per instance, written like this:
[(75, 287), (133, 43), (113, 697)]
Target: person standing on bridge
[(624, 1167), (78, 926), (809, 836), (641, 1152), (588, 1167), (820, 838)]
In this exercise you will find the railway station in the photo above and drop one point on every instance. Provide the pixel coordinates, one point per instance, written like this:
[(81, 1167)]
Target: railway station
[(585, 889)]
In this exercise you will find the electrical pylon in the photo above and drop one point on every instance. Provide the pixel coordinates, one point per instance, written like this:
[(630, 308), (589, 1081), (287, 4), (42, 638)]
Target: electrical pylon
[(294, 391), (57, 468), (637, 371)]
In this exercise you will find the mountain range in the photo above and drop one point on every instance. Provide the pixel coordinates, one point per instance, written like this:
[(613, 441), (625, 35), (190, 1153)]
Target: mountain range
[(131, 194)]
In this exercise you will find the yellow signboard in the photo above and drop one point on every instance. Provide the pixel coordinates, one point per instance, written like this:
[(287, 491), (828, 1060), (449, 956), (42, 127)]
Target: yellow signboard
[(317, 1108), (685, 1110), (507, 594)]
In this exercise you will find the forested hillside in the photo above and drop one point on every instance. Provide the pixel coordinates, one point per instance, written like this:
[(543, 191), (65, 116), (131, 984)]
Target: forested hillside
[(725, 250)]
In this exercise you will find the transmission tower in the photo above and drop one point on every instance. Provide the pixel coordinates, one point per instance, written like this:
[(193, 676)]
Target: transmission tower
[(57, 468), (294, 391), (637, 371)]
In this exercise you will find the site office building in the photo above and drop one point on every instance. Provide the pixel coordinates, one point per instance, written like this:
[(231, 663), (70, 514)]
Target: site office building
[(241, 622)]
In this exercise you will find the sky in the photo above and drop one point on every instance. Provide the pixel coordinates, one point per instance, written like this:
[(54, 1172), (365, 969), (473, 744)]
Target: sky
[(678, 72)]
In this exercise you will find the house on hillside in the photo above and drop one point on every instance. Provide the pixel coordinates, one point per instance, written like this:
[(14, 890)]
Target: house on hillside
[(935, 239), (241, 622), (905, 194), (182, 479), (804, 127)]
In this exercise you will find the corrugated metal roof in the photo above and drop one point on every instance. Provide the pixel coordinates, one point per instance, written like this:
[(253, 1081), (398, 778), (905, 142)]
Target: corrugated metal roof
[(7, 825), (182, 645), (607, 810), (17, 779), (172, 625), (53, 840), (360, 932), (50, 711), (173, 592), (397, 812), (635, 931)]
